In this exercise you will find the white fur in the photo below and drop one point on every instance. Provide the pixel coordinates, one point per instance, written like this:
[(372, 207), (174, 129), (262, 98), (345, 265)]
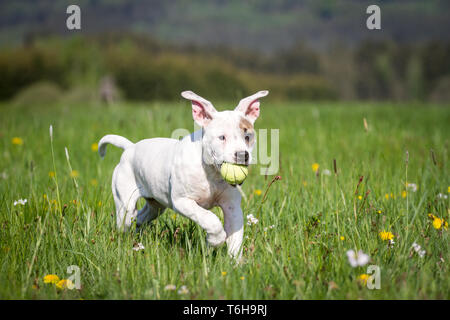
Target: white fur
[(184, 175)]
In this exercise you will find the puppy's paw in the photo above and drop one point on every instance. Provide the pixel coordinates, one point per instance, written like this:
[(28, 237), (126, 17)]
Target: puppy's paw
[(216, 239)]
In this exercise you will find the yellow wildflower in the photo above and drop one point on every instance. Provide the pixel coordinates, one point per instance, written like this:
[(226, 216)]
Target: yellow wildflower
[(386, 196), (94, 182), (305, 183), (51, 174), (363, 278), (65, 284), (74, 174), (94, 147), (258, 192), (403, 194), (224, 273), (342, 238), (315, 167), (448, 189), (17, 141), (386, 235), (360, 197), (242, 278), (51, 278), (438, 223), (379, 211)]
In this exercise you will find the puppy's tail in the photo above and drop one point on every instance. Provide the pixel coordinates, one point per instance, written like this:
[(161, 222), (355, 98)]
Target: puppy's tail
[(115, 140)]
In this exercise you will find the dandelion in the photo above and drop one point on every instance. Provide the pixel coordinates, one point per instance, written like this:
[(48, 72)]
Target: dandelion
[(403, 194), (326, 172), (386, 235), (315, 167), (362, 279), (138, 246), (224, 273), (251, 219), (342, 238), (74, 174), (360, 197), (258, 192), (51, 278), (17, 141), (386, 196), (183, 290), (380, 212), (65, 284), (22, 202), (170, 287), (242, 278), (357, 259), (438, 223), (448, 189), (94, 147)]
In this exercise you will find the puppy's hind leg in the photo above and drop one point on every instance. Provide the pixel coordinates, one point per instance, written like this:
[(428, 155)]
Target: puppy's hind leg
[(126, 194), (149, 212)]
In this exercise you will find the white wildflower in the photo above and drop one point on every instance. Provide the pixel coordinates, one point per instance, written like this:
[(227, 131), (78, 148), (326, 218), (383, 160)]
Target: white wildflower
[(357, 259), (417, 248), (411, 187), (251, 219), (51, 132), (138, 246), (183, 290), (4, 175), (21, 202), (442, 196), (391, 243), (170, 287), (326, 172)]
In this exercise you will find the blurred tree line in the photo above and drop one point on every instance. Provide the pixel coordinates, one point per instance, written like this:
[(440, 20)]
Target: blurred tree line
[(146, 69)]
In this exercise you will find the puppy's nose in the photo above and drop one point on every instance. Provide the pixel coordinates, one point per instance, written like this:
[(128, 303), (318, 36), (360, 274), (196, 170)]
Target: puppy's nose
[(241, 157)]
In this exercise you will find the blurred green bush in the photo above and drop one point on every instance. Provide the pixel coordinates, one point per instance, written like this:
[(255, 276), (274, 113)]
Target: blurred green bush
[(145, 69)]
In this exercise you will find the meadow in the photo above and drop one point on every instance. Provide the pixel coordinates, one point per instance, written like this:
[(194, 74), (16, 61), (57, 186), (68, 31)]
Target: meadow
[(387, 189)]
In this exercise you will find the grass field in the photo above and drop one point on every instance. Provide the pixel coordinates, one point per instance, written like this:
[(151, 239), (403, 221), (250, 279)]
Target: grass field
[(68, 217)]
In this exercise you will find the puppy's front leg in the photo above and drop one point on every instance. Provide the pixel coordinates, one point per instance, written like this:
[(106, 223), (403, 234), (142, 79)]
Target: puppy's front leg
[(205, 218), (234, 222)]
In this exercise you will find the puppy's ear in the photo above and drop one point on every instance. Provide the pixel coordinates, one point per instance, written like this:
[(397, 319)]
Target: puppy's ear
[(202, 110), (250, 106)]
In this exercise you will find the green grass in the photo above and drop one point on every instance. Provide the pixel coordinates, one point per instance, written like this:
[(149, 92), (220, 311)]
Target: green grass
[(302, 257)]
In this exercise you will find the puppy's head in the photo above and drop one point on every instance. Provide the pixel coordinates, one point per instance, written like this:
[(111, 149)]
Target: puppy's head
[(228, 136)]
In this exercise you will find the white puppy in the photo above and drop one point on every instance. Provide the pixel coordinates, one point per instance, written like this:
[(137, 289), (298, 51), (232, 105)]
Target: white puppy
[(184, 175)]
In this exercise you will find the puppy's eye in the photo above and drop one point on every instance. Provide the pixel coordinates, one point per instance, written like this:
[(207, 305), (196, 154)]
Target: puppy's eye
[(222, 138)]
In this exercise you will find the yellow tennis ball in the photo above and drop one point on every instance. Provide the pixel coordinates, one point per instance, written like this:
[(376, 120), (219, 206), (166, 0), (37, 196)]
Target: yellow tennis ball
[(233, 173)]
